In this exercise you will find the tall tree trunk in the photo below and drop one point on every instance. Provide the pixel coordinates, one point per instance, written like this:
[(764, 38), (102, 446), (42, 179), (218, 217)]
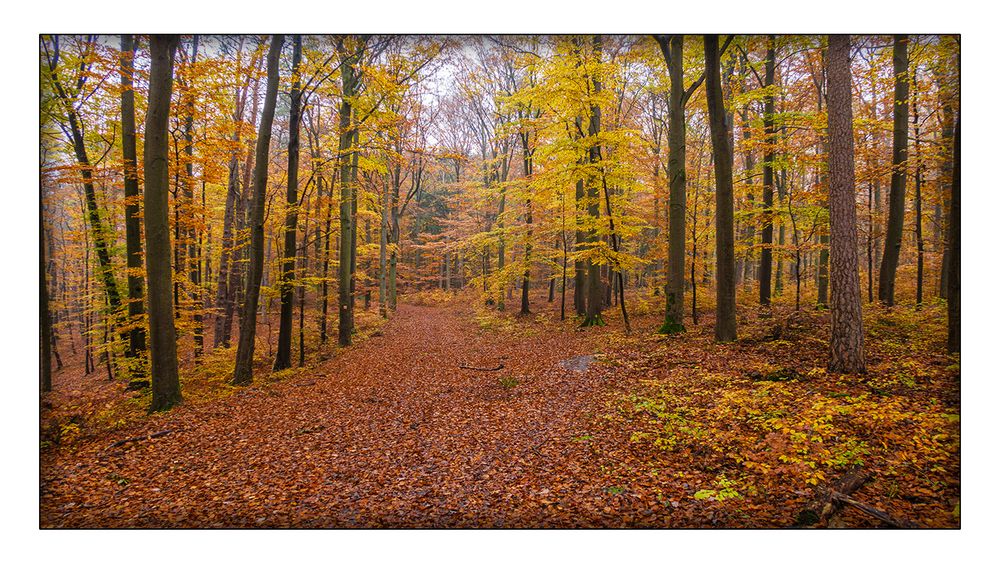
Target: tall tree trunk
[(725, 271), (847, 351), (383, 243), (897, 190), (162, 334), (595, 293), (283, 359), (917, 197), (526, 272), (133, 232), (191, 228), (673, 54), (947, 102), (45, 319), (243, 373), (767, 232), (955, 248), (823, 277), (348, 227)]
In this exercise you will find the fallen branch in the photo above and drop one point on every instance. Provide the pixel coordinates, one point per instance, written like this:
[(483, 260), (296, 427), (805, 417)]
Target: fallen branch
[(498, 368), (874, 512), (823, 506), (141, 438)]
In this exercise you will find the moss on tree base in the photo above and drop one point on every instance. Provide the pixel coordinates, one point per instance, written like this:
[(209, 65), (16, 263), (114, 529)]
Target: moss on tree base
[(670, 326), (596, 320)]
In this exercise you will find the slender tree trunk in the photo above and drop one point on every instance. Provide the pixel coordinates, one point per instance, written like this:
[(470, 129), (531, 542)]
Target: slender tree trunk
[(191, 229), (133, 232), (162, 334), (917, 203), (526, 273), (345, 315), (947, 102), (897, 191), (673, 53), (383, 243), (847, 351), (243, 373), (954, 246), (767, 233), (595, 297), (283, 359), (45, 319), (725, 271)]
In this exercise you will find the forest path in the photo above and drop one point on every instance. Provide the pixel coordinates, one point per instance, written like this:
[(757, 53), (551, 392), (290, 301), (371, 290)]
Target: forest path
[(392, 432)]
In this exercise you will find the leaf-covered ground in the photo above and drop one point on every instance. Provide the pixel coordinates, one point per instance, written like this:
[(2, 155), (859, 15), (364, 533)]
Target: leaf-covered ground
[(578, 429)]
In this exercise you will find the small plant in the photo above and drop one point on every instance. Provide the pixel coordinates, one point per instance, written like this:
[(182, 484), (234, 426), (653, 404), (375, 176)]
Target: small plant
[(508, 381)]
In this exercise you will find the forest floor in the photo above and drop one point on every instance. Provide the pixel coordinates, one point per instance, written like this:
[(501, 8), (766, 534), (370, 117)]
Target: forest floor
[(418, 425)]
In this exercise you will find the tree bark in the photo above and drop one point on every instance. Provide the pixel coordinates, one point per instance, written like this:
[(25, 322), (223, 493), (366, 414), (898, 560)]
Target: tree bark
[(162, 334), (594, 293), (345, 317), (133, 232), (283, 359), (45, 319), (673, 54), (243, 373), (847, 353), (897, 190), (725, 271), (767, 232), (955, 249)]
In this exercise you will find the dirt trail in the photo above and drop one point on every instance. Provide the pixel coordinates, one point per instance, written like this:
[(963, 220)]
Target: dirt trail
[(390, 433)]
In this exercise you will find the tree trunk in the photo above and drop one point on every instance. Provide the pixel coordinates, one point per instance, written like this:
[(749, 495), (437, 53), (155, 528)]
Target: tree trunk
[(162, 334), (725, 271), (283, 359), (673, 53), (955, 249), (767, 232), (917, 203), (45, 319), (345, 316), (243, 373), (897, 190), (192, 222), (133, 232), (594, 293), (526, 273), (847, 352)]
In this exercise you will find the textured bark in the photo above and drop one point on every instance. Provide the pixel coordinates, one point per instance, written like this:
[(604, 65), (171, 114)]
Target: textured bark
[(673, 53), (133, 231), (594, 292), (526, 274), (345, 317), (955, 249), (897, 189), (235, 285), (243, 373), (191, 228), (847, 353), (823, 276), (767, 232), (946, 95), (45, 319), (283, 359), (725, 258), (162, 334), (917, 203)]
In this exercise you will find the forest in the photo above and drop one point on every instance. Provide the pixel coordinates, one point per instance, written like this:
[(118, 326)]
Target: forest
[(499, 281)]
